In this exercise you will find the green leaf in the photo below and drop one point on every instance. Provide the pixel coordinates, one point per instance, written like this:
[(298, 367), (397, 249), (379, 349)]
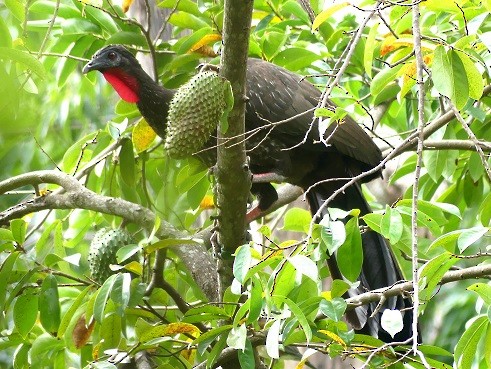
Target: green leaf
[(391, 321), (246, 356), (256, 300), (333, 309), (111, 330), (334, 235), (391, 225), (121, 290), (295, 58), (284, 280), (242, 262), (25, 313), (327, 13), (17, 9), (102, 19), (474, 77), (373, 220), (216, 351), (469, 236), (237, 337), (102, 298), (300, 316), (18, 228), (127, 165), (5, 272), (466, 348), (27, 60), (207, 338), (483, 290), (73, 156), (273, 340), (370, 45), (272, 43), (5, 38), (70, 313), (382, 79), (304, 266), (186, 20), (79, 26), (297, 220), (49, 305), (350, 254), (204, 313), (449, 76), (432, 273)]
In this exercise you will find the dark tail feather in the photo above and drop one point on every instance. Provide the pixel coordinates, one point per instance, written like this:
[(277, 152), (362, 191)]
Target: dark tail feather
[(379, 270)]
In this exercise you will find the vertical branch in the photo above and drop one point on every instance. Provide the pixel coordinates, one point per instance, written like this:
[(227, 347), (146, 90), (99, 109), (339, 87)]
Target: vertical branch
[(233, 178), (419, 151)]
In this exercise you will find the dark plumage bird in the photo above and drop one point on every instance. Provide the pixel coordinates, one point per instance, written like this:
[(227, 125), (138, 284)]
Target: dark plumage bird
[(276, 94)]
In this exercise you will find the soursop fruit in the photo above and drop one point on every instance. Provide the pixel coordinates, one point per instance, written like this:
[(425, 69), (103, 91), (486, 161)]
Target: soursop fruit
[(194, 113), (103, 249)]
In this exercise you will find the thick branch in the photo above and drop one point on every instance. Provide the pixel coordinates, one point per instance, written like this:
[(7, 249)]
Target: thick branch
[(232, 174), (475, 272), (73, 195)]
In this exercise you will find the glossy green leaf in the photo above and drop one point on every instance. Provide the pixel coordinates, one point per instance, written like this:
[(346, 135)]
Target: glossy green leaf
[(242, 262), (474, 77), (102, 298), (237, 337), (304, 266), (297, 220), (246, 356), (272, 340), (391, 225), (370, 45), (256, 300), (449, 76), (18, 228), (382, 79), (127, 164), (207, 338), (70, 313), (466, 348), (23, 58), (49, 305), (391, 321), (333, 309), (5, 272), (25, 312), (121, 290), (483, 290), (284, 280), (350, 254), (432, 273), (111, 330)]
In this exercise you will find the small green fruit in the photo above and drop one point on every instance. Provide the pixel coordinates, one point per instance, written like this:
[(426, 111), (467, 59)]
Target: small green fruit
[(103, 249), (194, 113)]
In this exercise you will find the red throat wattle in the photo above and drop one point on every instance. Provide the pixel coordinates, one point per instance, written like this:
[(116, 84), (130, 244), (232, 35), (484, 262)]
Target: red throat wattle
[(125, 85)]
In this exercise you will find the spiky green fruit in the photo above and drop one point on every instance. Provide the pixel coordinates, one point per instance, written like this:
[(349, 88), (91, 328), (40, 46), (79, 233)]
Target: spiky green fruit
[(194, 113), (103, 249)]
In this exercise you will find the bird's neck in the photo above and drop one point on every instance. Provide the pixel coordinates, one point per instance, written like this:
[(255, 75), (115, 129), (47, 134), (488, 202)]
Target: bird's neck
[(153, 103), (138, 87)]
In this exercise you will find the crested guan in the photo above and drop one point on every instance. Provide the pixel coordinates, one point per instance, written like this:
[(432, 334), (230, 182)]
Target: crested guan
[(275, 94)]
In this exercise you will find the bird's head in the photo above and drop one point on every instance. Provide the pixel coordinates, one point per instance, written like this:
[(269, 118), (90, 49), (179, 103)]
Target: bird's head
[(120, 68)]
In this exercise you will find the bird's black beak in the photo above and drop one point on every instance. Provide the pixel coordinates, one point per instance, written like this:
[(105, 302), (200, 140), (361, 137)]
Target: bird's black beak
[(94, 64)]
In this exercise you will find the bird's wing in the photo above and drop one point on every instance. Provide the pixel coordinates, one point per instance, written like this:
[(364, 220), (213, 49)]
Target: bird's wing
[(275, 94)]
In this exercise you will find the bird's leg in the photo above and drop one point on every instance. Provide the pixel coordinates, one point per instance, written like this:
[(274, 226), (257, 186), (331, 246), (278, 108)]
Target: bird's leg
[(268, 178), (266, 195)]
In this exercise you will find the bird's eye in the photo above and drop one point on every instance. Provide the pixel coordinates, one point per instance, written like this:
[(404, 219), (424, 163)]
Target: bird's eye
[(111, 55)]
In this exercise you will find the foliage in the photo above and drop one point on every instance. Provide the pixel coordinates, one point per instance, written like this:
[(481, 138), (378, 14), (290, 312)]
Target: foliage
[(54, 316)]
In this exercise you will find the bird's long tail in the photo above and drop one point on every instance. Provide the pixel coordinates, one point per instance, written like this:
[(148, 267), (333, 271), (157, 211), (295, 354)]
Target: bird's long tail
[(379, 268)]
